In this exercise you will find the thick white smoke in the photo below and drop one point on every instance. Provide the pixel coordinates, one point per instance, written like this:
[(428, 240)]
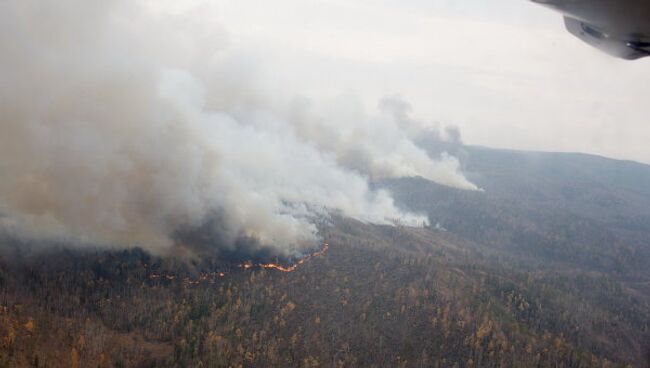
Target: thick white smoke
[(120, 128), (382, 147)]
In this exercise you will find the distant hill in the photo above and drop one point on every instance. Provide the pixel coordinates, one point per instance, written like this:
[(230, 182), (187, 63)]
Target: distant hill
[(591, 186), (574, 209)]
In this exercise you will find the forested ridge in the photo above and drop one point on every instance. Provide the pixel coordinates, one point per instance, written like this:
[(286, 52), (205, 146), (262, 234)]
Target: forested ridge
[(501, 278)]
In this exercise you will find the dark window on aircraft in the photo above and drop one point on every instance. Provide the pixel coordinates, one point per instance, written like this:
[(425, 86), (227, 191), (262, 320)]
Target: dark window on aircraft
[(593, 32)]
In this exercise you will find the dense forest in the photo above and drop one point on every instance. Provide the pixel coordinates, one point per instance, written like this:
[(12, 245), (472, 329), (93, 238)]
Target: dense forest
[(549, 266)]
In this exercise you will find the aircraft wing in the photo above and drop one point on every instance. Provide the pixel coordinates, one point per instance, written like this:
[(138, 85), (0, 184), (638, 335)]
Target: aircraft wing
[(618, 27)]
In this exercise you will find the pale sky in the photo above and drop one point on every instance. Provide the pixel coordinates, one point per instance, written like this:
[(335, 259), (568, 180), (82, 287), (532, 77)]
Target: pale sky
[(505, 71)]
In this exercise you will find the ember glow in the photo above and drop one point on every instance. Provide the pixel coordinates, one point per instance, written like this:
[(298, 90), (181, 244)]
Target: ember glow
[(288, 268), (210, 277)]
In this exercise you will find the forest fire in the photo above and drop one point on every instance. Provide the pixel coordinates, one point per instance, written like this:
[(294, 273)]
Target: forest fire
[(211, 276), (288, 268)]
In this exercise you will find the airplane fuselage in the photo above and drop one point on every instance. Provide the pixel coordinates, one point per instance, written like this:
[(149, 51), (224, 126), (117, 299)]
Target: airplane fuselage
[(618, 27)]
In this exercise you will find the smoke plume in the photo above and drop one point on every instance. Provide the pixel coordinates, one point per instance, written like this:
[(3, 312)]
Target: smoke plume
[(122, 127)]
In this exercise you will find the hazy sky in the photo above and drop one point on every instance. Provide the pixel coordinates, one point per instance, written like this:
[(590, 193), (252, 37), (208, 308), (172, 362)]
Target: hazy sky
[(505, 71), (258, 117)]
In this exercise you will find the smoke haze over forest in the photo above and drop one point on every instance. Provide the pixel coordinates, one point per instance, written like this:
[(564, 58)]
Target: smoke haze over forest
[(123, 128)]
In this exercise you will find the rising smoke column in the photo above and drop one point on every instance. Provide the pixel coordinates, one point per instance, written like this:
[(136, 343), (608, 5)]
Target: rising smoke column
[(384, 146), (121, 128)]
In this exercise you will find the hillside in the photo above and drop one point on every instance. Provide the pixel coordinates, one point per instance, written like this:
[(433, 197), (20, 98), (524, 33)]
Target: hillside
[(549, 266), (571, 209)]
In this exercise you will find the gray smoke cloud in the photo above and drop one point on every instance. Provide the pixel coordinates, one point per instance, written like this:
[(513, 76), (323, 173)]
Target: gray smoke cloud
[(120, 128), (444, 143)]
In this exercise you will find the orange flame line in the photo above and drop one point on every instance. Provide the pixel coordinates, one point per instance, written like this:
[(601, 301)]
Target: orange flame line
[(246, 266)]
